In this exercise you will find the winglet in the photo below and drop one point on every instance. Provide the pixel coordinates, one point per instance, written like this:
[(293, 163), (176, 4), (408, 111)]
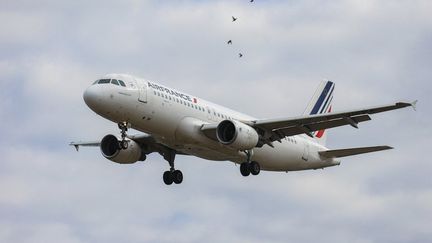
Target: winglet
[(75, 145), (414, 105)]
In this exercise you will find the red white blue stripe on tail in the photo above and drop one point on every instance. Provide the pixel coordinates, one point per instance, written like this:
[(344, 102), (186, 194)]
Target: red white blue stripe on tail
[(321, 103)]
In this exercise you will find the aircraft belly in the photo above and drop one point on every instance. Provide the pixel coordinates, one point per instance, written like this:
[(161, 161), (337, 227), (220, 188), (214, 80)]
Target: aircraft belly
[(287, 156), (283, 157), (206, 153)]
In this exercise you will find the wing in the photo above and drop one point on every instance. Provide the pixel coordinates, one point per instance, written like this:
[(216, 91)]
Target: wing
[(140, 139), (85, 144), (276, 129), (147, 143), (271, 130)]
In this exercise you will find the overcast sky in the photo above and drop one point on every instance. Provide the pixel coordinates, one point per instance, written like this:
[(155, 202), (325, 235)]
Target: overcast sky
[(377, 52)]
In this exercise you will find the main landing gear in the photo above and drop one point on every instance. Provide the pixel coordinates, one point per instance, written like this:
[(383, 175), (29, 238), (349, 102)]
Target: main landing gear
[(123, 144), (249, 167), (171, 175)]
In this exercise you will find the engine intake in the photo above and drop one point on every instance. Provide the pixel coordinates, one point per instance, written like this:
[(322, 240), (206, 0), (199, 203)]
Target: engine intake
[(111, 150), (237, 135)]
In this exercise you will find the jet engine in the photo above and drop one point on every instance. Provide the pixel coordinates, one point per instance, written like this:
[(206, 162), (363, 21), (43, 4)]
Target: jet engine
[(111, 150), (237, 135)]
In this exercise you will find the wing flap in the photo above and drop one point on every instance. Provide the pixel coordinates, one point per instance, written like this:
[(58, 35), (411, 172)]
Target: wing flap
[(305, 128), (337, 153)]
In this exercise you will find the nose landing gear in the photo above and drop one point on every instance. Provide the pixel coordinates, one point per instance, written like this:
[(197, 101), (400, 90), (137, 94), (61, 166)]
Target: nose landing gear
[(123, 126)]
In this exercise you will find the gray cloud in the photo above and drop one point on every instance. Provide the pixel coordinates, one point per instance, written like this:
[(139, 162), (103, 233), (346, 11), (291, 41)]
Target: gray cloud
[(377, 52)]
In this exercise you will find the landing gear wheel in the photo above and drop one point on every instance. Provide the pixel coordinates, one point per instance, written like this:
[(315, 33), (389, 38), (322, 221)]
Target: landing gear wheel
[(172, 175), (254, 168), (177, 176), (168, 177), (124, 144), (244, 169)]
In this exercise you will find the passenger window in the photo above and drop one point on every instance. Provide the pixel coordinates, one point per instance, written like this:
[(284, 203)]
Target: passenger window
[(104, 81), (122, 83), (114, 81)]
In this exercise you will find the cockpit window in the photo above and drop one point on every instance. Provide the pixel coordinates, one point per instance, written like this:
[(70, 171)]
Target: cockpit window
[(121, 83), (114, 81), (95, 82), (104, 81)]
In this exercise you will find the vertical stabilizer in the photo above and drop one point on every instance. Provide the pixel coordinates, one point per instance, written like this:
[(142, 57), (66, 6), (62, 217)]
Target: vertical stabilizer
[(320, 103)]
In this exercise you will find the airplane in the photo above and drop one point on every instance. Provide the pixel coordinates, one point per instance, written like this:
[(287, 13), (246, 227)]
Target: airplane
[(176, 123)]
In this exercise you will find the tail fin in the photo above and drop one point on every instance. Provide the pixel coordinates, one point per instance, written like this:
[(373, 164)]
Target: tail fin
[(320, 103)]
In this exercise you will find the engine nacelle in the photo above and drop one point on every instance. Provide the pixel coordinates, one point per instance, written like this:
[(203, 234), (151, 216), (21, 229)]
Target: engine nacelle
[(237, 135), (111, 150)]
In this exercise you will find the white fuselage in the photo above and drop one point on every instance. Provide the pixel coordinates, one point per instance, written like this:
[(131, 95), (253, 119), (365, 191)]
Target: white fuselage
[(175, 118)]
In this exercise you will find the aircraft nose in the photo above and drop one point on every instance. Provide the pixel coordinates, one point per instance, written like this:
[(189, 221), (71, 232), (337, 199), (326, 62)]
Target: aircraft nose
[(91, 96)]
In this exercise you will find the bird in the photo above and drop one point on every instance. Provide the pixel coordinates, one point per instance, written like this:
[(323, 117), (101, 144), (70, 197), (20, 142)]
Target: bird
[(229, 42), (240, 55), (233, 18)]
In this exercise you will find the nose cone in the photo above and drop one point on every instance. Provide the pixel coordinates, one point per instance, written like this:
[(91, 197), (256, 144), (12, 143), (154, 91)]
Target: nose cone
[(92, 97)]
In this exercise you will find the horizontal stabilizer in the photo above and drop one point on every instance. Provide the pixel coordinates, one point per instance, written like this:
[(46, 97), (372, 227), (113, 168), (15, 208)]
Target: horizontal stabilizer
[(337, 153)]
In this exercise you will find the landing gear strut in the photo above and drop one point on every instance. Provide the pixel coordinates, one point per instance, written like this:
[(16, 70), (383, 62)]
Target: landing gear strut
[(249, 167), (123, 144), (171, 175)]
